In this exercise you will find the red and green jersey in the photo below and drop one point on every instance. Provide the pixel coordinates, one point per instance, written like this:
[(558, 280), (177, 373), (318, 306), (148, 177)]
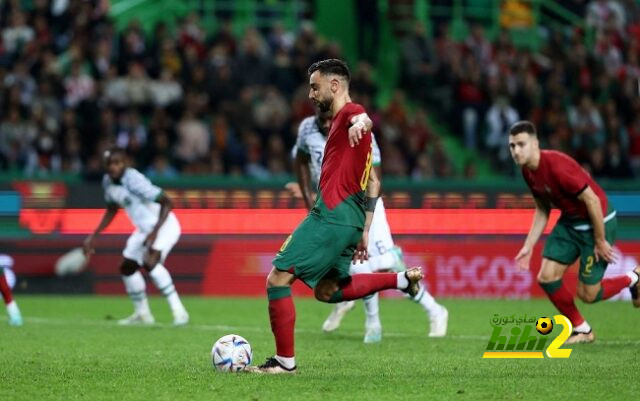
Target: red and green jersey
[(345, 172), (560, 180)]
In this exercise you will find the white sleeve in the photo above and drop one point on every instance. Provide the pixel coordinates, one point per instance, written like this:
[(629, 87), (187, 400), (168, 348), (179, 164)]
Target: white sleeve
[(139, 185), (303, 130)]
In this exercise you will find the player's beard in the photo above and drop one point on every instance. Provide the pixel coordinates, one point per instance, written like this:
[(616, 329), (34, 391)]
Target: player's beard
[(324, 105)]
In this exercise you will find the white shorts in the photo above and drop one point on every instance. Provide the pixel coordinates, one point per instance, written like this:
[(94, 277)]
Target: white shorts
[(168, 235), (380, 240)]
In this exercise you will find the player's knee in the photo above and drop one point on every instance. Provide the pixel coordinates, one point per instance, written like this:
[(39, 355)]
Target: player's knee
[(277, 278), (545, 276), (587, 296), (323, 294), (128, 267), (151, 260), (324, 290)]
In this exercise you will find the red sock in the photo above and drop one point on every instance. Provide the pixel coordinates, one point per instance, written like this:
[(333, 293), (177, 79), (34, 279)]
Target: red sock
[(4, 289), (563, 300), (612, 286), (282, 314), (362, 285)]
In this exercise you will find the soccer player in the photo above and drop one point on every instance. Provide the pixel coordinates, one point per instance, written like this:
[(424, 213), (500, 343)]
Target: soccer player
[(157, 231), (320, 250), (15, 318), (383, 254), (586, 229)]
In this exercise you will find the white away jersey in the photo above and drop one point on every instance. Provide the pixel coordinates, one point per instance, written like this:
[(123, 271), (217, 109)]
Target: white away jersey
[(137, 196), (312, 141)]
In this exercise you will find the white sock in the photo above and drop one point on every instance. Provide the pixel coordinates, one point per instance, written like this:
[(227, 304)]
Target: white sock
[(385, 261), (12, 308), (427, 301), (582, 327), (136, 288), (372, 311), (634, 278), (287, 362), (402, 282), (163, 282)]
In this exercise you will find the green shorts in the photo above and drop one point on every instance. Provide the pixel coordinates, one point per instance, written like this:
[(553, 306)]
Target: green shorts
[(568, 241), (318, 250)]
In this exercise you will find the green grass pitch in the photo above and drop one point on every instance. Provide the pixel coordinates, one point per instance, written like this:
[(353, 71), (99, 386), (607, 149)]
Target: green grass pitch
[(71, 349)]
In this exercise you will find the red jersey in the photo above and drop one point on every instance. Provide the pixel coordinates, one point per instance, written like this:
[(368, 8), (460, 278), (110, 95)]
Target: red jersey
[(345, 171), (560, 179)]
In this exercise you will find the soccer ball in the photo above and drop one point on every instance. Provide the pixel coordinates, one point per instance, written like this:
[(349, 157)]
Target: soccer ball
[(231, 353), (544, 325)]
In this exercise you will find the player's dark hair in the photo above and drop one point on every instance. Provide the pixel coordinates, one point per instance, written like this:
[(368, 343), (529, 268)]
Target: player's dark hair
[(523, 126), (331, 66)]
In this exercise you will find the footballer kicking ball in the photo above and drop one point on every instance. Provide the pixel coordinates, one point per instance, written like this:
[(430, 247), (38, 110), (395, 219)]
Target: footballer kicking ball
[(544, 325), (231, 353)]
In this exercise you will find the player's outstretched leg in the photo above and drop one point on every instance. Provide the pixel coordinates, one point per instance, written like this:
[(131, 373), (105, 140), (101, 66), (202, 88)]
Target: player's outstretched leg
[(360, 285), (137, 290), (438, 314), (164, 283), (15, 318), (282, 316), (596, 292)]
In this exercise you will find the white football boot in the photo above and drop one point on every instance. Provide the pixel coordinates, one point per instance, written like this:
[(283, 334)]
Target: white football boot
[(137, 318), (338, 312)]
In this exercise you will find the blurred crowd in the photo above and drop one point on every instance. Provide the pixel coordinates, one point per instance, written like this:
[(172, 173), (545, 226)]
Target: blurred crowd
[(585, 100), (182, 100)]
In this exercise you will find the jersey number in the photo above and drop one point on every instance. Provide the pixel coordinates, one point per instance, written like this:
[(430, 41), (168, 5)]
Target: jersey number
[(365, 173), (587, 268)]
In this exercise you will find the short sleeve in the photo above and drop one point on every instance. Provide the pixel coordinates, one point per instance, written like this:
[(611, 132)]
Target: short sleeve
[(303, 132), (571, 178), (353, 110), (139, 185)]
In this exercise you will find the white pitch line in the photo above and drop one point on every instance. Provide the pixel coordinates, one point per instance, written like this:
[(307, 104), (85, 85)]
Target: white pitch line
[(255, 329)]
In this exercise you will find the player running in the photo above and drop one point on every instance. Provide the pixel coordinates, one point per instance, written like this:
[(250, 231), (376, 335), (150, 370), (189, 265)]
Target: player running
[(586, 229), (15, 318), (157, 231), (383, 254), (320, 250)]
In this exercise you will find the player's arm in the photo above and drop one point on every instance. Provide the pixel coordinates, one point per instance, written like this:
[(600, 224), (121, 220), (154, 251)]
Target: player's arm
[(301, 167), (372, 193), (360, 125), (602, 247), (540, 220), (107, 218), (165, 208)]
